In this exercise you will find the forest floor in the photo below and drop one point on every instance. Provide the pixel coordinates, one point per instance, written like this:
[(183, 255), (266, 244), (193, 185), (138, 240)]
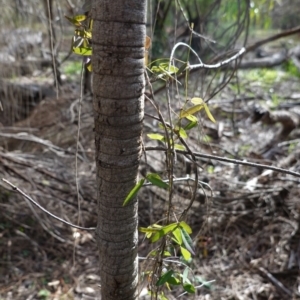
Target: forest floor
[(246, 229)]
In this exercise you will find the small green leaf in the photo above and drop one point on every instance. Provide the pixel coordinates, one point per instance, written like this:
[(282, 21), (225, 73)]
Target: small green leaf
[(193, 122), (148, 230), (163, 231), (173, 280), (177, 235), (83, 51), (133, 192), (89, 65), (166, 229), (185, 253), (186, 227), (179, 147), (164, 278), (156, 180), (189, 288), (156, 136), (79, 18), (73, 21), (208, 113), (181, 132), (191, 110), (197, 101), (187, 241)]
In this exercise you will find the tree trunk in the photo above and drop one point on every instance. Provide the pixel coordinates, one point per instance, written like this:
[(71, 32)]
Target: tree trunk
[(118, 85)]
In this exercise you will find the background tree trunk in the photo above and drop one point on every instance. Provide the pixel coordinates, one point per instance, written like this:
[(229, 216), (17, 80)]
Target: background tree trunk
[(118, 84)]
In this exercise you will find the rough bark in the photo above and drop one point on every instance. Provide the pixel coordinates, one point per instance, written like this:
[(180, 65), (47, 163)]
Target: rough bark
[(118, 85)]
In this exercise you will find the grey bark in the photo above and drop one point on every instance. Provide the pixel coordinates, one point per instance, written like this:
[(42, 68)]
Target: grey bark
[(118, 85)]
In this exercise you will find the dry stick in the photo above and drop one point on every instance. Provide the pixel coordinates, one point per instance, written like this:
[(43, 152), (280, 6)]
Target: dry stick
[(277, 283), (229, 160), (240, 53), (43, 209)]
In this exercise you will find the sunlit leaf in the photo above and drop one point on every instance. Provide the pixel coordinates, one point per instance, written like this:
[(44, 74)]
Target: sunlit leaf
[(181, 132), (185, 253), (156, 136), (73, 21), (156, 180), (189, 288), (84, 51), (177, 235), (148, 229), (186, 227), (174, 280), (179, 147), (133, 192), (157, 236), (199, 101), (208, 113), (164, 278), (89, 65), (79, 18), (191, 110), (166, 229), (187, 241), (193, 122)]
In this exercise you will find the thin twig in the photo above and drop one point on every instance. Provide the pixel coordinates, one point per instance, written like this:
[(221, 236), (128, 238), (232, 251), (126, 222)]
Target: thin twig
[(43, 209), (276, 282), (229, 160)]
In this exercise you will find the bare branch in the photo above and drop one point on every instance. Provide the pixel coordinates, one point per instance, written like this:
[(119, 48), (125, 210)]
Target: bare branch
[(43, 209)]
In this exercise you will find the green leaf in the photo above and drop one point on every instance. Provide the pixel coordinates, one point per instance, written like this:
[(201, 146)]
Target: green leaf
[(181, 132), (89, 65), (133, 192), (173, 280), (157, 236), (189, 288), (185, 253), (156, 180), (164, 278), (186, 227), (73, 21), (156, 136), (210, 116), (191, 110), (79, 18), (187, 241), (177, 235), (83, 51), (166, 229), (148, 230), (163, 231), (193, 122), (179, 147), (199, 101)]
